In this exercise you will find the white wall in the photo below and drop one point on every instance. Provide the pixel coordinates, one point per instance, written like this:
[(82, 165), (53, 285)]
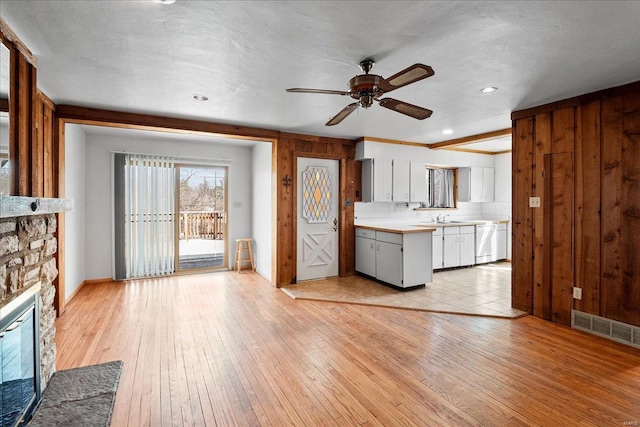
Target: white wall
[(262, 207), (98, 181), (75, 229)]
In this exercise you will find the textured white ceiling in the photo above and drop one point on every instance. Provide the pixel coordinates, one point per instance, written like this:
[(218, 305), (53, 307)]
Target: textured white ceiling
[(141, 56)]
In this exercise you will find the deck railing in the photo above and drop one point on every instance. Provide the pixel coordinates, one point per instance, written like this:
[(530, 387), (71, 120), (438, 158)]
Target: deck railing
[(202, 225)]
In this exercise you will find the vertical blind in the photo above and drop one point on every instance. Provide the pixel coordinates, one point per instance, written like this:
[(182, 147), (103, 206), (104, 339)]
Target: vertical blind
[(144, 215)]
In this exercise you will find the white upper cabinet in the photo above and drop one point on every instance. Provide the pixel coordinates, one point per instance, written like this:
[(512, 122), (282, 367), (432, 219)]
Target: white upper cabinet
[(400, 180), (476, 184), (386, 180), (418, 182), (377, 179)]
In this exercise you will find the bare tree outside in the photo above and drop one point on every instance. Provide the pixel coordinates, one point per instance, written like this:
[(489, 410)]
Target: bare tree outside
[(202, 214), (201, 190)]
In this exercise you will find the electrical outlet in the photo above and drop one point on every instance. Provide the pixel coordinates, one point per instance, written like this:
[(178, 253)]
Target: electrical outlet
[(577, 293), (237, 204), (534, 202)]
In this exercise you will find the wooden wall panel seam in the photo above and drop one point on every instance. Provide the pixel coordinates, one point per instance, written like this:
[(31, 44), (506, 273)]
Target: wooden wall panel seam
[(593, 236)]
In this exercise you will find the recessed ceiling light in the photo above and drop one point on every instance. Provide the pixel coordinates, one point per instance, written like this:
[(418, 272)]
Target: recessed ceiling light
[(164, 1), (488, 89), (447, 131), (200, 98)]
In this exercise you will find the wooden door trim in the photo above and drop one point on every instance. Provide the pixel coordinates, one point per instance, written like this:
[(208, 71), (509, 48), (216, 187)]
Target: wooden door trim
[(342, 159)]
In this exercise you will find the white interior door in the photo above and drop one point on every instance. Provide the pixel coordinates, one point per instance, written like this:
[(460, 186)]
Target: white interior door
[(317, 242)]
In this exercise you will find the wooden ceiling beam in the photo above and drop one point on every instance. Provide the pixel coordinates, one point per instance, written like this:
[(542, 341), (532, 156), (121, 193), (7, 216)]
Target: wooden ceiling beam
[(392, 141), (6, 33), (470, 139), (98, 117)]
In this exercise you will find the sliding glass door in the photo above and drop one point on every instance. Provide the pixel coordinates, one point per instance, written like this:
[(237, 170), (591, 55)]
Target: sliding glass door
[(201, 227), (168, 217)]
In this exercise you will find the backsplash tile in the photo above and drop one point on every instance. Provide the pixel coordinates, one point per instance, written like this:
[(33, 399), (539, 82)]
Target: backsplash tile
[(495, 210)]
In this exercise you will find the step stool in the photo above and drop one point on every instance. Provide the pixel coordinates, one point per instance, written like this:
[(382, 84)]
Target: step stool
[(243, 247)]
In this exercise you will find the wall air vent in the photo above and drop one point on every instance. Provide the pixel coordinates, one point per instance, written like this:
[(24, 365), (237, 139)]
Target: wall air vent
[(612, 329)]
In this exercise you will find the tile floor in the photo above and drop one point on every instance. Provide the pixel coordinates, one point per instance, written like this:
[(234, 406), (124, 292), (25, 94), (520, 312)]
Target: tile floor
[(483, 290)]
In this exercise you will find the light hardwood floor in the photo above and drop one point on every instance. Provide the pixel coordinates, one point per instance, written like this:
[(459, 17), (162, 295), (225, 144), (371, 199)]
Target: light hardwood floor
[(228, 349)]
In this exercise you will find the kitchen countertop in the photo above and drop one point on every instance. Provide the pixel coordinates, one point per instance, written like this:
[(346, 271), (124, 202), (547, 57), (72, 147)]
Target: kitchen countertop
[(417, 226), (463, 223), (397, 228)]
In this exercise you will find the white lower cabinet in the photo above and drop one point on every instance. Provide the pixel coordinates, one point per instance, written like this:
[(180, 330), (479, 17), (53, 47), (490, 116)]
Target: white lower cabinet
[(400, 259), (437, 248), (467, 245), (366, 252), (389, 263), (458, 246), (502, 241)]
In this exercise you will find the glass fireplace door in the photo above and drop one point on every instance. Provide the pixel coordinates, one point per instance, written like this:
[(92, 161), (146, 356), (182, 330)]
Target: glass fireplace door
[(18, 359)]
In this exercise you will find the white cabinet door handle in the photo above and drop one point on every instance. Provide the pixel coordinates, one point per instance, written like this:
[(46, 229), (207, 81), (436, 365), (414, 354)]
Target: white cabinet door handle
[(371, 245)]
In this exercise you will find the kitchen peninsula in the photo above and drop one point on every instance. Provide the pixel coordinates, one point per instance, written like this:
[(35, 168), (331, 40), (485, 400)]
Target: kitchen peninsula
[(399, 255), (404, 253)]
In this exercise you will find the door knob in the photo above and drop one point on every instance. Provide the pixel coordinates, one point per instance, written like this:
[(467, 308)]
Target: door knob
[(335, 224)]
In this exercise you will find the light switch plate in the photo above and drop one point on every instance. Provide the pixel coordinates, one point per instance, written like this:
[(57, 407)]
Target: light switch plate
[(237, 204), (577, 293), (534, 202)]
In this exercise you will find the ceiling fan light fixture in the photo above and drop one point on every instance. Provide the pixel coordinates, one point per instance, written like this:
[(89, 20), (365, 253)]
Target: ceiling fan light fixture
[(488, 89), (447, 131), (366, 88)]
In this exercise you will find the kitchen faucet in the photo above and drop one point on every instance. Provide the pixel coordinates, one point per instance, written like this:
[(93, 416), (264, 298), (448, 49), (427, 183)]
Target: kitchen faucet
[(441, 217)]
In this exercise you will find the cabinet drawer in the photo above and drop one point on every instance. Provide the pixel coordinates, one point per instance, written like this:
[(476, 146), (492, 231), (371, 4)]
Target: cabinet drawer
[(365, 232), (468, 229), (451, 230), (437, 232), (383, 236)]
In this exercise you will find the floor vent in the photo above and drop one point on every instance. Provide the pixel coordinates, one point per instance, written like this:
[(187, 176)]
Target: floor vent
[(612, 329)]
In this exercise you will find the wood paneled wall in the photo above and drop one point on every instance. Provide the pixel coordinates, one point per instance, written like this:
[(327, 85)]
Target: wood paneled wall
[(287, 150), (31, 131), (581, 157), (33, 150)]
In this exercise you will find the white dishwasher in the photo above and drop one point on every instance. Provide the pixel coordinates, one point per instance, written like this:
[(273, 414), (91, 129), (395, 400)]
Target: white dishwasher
[(486, 243)]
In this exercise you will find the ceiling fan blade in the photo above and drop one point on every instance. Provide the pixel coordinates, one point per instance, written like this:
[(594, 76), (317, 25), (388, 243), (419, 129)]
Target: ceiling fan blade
[(342, 114), (406, 108), (407, 76), (328, 92)]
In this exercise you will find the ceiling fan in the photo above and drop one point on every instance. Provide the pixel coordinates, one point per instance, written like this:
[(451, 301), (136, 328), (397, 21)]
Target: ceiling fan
[(367, 88)]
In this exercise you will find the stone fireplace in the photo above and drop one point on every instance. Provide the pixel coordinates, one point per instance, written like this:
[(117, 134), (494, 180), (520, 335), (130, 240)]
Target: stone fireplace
[(28, 247)]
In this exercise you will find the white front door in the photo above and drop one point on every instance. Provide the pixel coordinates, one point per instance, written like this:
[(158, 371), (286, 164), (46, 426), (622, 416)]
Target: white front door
[(317, 245)]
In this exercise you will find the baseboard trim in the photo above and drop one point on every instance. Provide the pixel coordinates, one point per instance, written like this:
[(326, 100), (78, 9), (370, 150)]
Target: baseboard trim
[(87, 282), (264, 277), (94, 281)]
